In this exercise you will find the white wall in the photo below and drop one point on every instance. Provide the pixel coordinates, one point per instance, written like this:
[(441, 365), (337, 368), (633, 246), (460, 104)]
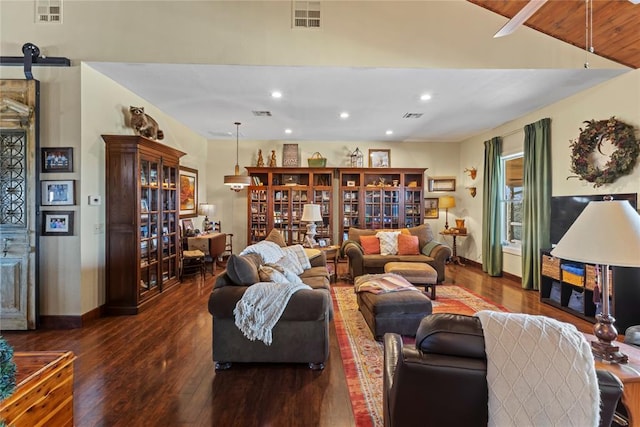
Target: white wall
[(78, 106), (619, 97)]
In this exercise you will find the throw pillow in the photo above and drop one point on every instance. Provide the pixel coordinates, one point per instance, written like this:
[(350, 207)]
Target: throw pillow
[(276, 237), (271, 274), (242, 271), (408, 245), (299, 252), (388, 242), (426, 250), (370, 245), (290, 262)]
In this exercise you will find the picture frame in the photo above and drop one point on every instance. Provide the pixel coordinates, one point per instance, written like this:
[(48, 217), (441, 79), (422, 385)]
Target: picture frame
[(351, 183), (431, 210), (379, 158), (187, 225), (188, 192), (57, 223), (56, 159), (57, 193), (290, 156), (442, 184)]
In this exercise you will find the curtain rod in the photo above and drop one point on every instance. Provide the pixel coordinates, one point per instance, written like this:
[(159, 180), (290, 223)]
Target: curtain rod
[(513, 132)]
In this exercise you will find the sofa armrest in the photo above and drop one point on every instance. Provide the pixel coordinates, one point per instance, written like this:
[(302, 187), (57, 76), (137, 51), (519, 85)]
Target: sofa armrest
[(319, 261), (355, 253), (440, 254)]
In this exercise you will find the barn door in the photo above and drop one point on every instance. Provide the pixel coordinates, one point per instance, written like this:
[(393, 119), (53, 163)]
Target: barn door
[(18, 188)]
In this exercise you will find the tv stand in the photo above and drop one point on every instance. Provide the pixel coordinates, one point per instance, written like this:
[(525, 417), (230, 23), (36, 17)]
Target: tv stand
[(574, 294)]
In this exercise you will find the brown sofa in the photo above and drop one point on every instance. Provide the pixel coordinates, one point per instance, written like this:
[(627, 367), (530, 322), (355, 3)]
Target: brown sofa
[(431, 252), (300, 336), (441, 379)]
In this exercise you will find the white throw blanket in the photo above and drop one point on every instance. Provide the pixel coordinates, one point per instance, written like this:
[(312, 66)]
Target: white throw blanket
[(540, 372), (261, 306)]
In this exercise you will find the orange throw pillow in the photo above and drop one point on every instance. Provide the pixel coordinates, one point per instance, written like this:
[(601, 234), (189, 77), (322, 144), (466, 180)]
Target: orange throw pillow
[(408, 245), (370, 245)]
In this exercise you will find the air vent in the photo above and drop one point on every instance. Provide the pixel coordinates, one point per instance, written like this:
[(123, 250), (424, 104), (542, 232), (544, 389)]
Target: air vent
[(412, 115), (306, 14), (48, 11), (262, 113)]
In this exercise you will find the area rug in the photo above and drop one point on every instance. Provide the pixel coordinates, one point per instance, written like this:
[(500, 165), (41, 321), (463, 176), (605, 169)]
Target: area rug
[(362, 356)]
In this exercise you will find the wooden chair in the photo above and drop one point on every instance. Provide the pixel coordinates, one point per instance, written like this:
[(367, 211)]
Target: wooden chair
[(191, 262)]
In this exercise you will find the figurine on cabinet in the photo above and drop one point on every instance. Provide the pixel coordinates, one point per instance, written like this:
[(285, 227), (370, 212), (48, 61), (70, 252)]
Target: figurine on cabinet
[(272, 161), (260, 163)]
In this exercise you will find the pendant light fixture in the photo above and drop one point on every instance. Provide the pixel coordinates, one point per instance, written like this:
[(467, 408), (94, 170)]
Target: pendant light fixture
[(237, 182)]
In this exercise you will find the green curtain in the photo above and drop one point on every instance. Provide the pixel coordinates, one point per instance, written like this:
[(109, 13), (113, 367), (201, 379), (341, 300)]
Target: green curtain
[(536, 202), (491, 209)]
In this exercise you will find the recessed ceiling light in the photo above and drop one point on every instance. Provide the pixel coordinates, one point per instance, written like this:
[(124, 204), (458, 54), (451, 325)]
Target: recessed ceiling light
[(276, 94), (425, 97), (288, 131), (389, 132), (344, 115)]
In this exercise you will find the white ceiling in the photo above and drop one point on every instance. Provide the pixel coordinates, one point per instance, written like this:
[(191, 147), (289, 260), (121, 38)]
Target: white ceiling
[(210, 98)]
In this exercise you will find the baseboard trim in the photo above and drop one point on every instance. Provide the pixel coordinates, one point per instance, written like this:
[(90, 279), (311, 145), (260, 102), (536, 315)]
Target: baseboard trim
[(506, 275), (70, 322)]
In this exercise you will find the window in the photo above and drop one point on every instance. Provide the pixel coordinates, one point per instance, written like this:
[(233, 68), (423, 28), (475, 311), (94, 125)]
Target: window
[(306, 14), (512, 179)]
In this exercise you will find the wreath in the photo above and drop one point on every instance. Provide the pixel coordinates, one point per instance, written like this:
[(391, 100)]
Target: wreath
[(621, 161)]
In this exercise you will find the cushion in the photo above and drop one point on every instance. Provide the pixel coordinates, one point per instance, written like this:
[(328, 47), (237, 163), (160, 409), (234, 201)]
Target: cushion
[(299, 252), (388, 242), (312, 253), (408, 245), (243, 270), (276, 237), (370, 245), (290, 262), (426, 249), (271, 274)]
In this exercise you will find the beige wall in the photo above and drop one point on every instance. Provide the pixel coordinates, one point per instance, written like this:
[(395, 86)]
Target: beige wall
[(78, 105), (619, 97)]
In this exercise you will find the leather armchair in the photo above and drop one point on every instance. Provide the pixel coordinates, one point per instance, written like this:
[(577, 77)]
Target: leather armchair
[(441, 380)]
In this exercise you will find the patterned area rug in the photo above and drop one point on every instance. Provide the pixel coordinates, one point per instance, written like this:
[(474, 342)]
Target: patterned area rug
[(362, 356)]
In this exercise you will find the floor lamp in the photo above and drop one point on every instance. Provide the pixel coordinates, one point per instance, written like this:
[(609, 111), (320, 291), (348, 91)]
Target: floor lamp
[(607, 233)]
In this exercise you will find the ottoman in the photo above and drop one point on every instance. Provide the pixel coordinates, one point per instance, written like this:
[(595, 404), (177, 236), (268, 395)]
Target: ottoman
[(417, 273), (399, 312)]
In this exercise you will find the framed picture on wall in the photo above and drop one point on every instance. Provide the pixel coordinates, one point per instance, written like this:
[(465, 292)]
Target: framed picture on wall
[(442, 184), (379, 158), (431, 208), (57, 159), (188, 192), (57, 223), (57, 193)]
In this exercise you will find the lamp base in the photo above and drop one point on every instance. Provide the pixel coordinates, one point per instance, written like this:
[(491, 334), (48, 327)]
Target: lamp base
[(608, 353), (309, 240)]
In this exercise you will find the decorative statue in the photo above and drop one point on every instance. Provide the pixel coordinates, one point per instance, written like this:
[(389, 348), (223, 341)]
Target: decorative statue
[(272, 161), (143, 124), (260, 163)]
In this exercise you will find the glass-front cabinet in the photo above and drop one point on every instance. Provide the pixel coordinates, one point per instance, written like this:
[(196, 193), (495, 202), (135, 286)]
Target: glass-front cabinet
[(380, 198), (277, 197), (142, 216)]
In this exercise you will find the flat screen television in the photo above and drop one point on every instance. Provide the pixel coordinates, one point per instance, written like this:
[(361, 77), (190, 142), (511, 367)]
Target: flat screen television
[(566, 209)]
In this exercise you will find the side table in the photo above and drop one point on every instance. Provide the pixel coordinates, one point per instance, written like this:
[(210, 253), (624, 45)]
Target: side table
[(455, 259), (331, 253)]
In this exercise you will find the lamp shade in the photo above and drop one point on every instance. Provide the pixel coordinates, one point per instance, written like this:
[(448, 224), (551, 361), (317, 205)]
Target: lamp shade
[(236, 181), (311, 213), (447, 202), (207, 209), (605, 233)]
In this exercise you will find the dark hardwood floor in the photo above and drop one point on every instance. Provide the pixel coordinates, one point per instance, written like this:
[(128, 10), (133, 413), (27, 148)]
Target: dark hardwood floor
[(155, 369)]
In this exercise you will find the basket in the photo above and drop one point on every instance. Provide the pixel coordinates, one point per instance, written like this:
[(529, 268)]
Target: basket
[(590, 280), (317, 161), (551, 267)]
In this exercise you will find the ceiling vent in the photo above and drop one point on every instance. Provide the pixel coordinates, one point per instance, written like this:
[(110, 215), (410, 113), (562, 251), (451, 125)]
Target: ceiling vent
[(306, 14), (412, 115), (262, 113), (48, 11)]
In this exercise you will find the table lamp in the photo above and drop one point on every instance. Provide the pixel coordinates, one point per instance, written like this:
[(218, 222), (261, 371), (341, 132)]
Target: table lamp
[(607, 233), (208, 210), (311, 215), (446, 202)]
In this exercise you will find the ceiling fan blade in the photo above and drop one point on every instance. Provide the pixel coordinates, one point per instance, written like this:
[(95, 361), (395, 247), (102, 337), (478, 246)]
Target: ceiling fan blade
[(520, 18)]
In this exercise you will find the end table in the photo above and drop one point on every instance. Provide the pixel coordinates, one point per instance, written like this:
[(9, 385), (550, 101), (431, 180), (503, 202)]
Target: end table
[(331, 253), (455, 259)]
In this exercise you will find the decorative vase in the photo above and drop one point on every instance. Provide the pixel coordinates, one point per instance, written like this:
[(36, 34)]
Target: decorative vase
[(459, 223)]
